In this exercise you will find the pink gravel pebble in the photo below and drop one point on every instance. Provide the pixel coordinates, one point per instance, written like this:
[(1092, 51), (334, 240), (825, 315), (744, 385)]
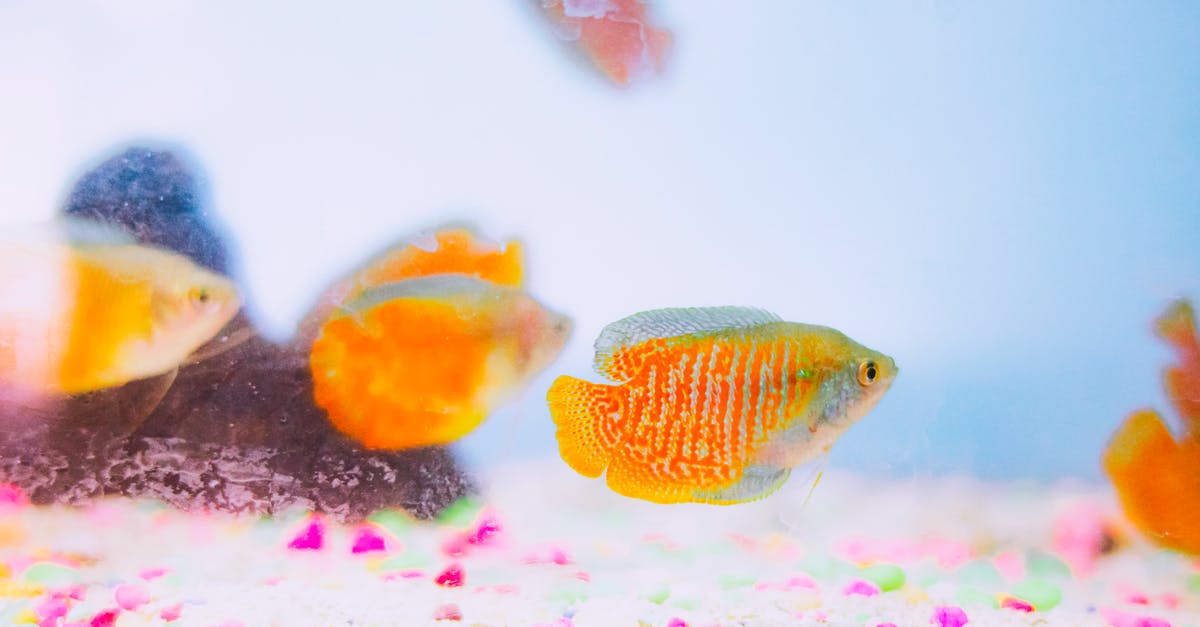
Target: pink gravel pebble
[(76, 592), (1080, 536), (486, 532), (1013, 603), (456, 545), (1118, 618), (448, 611), (452, 577), (153, 573), (51, 610), (130, 597), (886, 625), (172, 613), (560, 557), (861, 588), (1010, 564), (310, 538), (366, 540), (676, 622), (107, 618), (949, 616), (11, 496)]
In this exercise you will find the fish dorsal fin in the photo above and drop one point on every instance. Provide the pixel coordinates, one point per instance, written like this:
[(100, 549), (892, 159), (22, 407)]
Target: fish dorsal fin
[(668, 323), (757, 482), (427, 287)]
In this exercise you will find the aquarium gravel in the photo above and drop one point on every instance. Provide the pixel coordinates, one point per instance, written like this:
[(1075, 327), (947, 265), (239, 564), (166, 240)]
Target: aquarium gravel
[(550, 548)]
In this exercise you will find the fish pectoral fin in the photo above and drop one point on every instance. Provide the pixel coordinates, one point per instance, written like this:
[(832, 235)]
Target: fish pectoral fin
[(668, 323), (757, 482)]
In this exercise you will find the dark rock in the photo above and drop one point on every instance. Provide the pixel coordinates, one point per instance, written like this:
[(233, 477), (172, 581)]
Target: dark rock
[(154, 195), (236, 430)]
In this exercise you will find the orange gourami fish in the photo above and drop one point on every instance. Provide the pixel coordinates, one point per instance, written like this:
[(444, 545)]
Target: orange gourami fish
[(713, 405), (83, 308), (423, 361), (616, 35), (1156, 475)]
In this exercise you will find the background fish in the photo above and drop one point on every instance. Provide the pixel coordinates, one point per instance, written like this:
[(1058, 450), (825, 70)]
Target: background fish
[(616, 35), (81, 309), (424, 361), (1157, 477), (713, 405)]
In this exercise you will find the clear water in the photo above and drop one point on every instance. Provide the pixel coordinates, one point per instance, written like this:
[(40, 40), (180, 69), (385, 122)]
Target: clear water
[(1000, 195)]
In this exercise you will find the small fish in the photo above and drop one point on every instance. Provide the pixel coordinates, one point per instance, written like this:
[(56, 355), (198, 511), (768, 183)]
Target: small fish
[(1156, 475), (447, 250), (83, 308), (713, 405), (616, 35), (423, 361)]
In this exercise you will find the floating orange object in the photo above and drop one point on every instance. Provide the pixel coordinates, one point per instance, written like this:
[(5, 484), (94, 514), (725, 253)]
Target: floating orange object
[(616, 35), (1157, 477)]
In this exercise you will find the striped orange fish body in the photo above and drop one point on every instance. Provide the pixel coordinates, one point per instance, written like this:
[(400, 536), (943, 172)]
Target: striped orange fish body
[(715, 405)]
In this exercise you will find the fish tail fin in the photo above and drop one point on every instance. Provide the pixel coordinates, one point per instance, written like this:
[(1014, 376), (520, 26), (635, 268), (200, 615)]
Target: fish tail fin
[(583, 412), (1177, 325)]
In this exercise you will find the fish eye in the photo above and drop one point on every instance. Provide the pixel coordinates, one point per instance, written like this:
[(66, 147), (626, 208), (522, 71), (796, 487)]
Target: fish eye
[(867, 372), (200, 295)]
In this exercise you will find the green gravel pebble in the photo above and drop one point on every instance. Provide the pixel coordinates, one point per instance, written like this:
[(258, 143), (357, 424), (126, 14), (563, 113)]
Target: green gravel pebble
[(827, 568), (686, 603), (974, 597), (394, 522), (404, 561), (570, 593), (1193, 583), (1043, 564), (1041, 594), (461, 513), (979, 573), (51, 574), (657, 595), (887, 577), (730, 582)]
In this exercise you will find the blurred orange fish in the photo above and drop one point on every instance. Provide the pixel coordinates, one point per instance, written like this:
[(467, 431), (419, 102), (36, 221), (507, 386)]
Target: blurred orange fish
[(1157, 477), (616, 35), (423, 361), (448, 250), (713, 405), (83, 308)]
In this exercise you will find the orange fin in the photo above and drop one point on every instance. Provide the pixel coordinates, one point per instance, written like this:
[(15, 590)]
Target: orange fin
[(458, 250), (1142, 439), (1177, 325), (584, 415), (1157, 480)]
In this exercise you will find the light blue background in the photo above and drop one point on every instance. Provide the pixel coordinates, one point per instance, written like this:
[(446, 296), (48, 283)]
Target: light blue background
[(999, 194)]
